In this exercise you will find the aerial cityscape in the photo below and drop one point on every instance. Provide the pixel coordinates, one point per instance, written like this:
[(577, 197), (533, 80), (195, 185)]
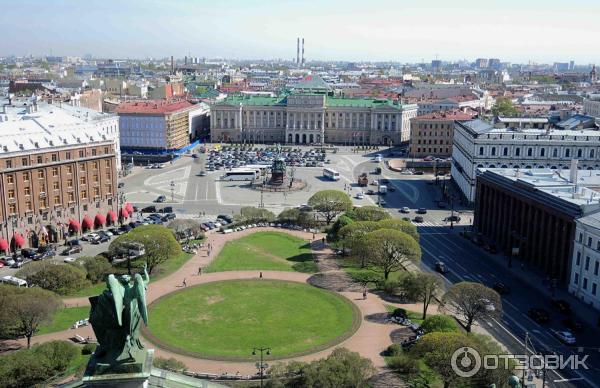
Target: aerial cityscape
[(299, 194)]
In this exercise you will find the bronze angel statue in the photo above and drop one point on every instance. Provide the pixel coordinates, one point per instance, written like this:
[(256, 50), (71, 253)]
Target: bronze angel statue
[(116, 316)]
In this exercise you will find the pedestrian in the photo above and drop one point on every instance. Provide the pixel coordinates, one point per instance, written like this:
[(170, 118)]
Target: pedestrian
[(260, 275), (313, 235), (199, 271), (323, 241), (184, 283), (364, 294)]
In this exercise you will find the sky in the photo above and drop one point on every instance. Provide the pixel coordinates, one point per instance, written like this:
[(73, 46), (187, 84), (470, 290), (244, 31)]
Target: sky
[(348, 30)]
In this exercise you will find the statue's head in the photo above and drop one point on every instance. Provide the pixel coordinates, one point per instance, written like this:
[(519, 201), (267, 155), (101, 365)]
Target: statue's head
[(124, 279)]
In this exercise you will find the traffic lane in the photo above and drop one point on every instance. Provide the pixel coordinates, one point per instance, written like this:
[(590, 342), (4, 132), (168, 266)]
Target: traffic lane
[(511, 328)]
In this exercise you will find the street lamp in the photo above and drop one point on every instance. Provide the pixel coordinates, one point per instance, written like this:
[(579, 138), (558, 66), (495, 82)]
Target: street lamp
[(261, 366)]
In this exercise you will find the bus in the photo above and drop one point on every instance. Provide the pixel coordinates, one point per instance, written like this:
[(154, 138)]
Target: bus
[(261, 169), (241, 174), (331, 174), (13, 280)]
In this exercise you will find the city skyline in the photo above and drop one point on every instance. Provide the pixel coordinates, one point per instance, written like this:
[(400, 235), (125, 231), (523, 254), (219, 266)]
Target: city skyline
[(342, 31)]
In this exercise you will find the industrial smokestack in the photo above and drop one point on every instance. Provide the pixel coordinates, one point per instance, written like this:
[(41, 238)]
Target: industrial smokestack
[(302, 51), (185, 60), (298, 51), (172, 65)]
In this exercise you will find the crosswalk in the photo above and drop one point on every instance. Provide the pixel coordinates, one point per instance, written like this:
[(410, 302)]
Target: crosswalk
[(428, 224)]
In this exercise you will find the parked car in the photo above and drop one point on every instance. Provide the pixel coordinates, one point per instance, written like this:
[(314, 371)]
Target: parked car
[(69, 260), (115, 231), (539, 315), (440, 266), (501, 288), (167, 209), (161, 198), (28, 253), (404, 210), (561, 305), (421, 210), (418, 219), (149, 209), (202, 173), (90, 236), (100, 239), (72, 249), (564, 336), (360, 196)]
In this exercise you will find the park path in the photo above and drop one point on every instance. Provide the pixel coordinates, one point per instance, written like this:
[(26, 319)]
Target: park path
[(369, 340)]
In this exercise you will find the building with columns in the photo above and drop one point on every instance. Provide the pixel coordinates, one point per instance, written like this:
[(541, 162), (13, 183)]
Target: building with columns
[(477, 144), (310, 114), (532, 215)]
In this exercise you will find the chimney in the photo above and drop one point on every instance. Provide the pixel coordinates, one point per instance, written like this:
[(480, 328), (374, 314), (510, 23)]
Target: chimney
[(185, 60), (298, 51), (172, 65), (573, 171), (302, 51)]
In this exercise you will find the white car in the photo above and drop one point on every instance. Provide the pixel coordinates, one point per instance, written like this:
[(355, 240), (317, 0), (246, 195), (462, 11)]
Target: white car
[(108, 233), (406, 172), (360, 196), (565, 336), (69, 259), (489, 306), (404, 210), (90, 237)]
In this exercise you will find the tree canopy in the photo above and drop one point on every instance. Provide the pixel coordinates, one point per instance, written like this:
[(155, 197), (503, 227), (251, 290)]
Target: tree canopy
[(330, 203), (368, 213), (250, 214), (61, 278), (422, 287), (472, 301), (388, 250), (297, 217), (159, 244), (401, 225), (186, 228), (504, 107)]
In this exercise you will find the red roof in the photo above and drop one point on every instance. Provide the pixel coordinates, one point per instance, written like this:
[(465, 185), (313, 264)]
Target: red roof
[(445, 116), (153, 107)]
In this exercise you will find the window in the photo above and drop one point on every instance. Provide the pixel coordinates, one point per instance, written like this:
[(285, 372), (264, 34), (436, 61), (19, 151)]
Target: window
[(12, 208), (83, 194), (587, 263), (578, 260), (54, 157), (81, 154), (55, 185), (529, 151), (580, 237), (9, 164), (596, 265), (576, 279), (68, 155), (24, 162), (83, 167), (54, 171), (505, 151), (27, 190), (554, 153), (543, 152), (96, 191), (106, 150), (71, 196), (11, 193), (43, 187), (518, 152), (593, 288), (82, 180), (40, 159), (598, 245), (70, 182), (10, 178), (95, 178), (493, 151), (585, 283), (107, 175), (40, 174), (26, 176), (107, 163), (589, 244), (108, 189), (579, 153), (591, 153), (568, 154), (43, 203), (480, 150), (95, 165), (57, 200), (93, 152), (69, 169), (28, 206)]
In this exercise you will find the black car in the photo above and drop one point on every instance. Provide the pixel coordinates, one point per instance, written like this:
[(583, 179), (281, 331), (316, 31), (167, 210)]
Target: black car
[(167, 209), (115, 231), (149, 209), (421, 210), (100, 239), (225, 217), (418, 219), (125, 228), (73, 242), (501, 288), (28, 253), (71, 250), (561, 305), (453, 219), (539, 315), (441, 267), (45, 251)]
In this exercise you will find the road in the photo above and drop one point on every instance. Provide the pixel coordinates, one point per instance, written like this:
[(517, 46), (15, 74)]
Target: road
[(468, 262)]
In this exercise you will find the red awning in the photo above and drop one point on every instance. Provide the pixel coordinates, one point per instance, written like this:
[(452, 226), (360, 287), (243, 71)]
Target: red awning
[(3, 245), (124, 213), (74, 225), (87, 222), (19, 240), (100, 220), (111, 216), (129, 207)]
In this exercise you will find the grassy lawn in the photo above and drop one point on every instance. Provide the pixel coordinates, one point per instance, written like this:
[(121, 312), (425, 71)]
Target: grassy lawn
[(265, 251), (64, 318), (415, 316), (228, 319), (353, 269)]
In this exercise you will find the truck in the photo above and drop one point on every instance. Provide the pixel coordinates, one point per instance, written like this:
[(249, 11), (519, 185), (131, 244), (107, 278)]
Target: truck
[(383, 189), (363, 180)]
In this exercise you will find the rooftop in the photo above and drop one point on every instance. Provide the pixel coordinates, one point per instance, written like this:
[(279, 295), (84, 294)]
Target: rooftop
[(479, 127), (153, 107), (329, 101), (445, 116)]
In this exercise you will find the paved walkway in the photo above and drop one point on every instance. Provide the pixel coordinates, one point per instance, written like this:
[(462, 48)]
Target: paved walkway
[(370, 340)]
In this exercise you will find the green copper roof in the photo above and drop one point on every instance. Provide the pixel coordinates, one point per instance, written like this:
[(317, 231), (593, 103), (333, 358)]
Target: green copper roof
[(312, 82), (359, 102), (329, 101), (254, 100)]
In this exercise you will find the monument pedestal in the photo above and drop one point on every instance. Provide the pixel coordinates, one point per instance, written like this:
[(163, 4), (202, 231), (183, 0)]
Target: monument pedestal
[(128, 375)]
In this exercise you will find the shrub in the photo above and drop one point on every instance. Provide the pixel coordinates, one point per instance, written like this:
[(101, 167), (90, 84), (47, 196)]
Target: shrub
[(58, 353), (169, 364), (399, 312), (439, 323), (88, 349), (97, 268), (393, 350), (404, 364), (390, 287), (62, 279)]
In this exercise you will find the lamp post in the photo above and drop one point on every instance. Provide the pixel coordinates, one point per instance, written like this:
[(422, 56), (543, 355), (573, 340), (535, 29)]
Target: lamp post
[(262, 365)]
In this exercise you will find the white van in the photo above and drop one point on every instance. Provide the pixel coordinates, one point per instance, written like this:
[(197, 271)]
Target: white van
[(13, 280), (378, 158)]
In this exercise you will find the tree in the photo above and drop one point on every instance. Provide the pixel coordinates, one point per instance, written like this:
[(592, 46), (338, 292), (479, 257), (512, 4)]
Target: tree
[(61, 278), (368, 213), (389, 250), (472, 301), (24, 310), (423, 287), (158, 241), (342, 368), (439, 323), (401, 225), (352, 234), (296, 217), (250, 215), (333, 232), (96, 268), (185, 229), (330, 203), (504, 107)]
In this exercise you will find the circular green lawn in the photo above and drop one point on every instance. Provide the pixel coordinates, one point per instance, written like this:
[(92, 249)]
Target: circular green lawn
[(226, 320)]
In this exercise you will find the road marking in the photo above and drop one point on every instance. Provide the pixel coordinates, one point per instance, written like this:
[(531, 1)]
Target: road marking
[(568, 380), (206, 195), (196, 196)]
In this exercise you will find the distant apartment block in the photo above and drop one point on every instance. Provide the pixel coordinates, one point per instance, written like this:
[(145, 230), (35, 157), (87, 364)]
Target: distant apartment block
[(432, 134)]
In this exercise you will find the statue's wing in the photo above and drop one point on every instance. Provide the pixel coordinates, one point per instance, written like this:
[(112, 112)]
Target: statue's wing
[(118, 293), (140, 295)]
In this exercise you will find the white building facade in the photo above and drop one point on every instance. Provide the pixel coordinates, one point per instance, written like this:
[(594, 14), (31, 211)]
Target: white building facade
[(584, 281), (477, 144)]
